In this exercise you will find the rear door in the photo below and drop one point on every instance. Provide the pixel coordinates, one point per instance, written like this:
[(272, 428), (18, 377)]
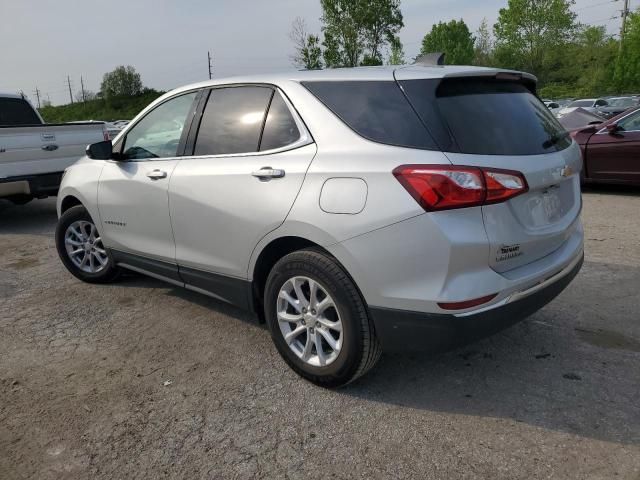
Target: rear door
[(239, 185), (499, 123), (615, 157)]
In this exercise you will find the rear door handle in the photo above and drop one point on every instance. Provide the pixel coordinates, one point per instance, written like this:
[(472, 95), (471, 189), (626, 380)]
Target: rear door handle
[(50, 147), (157, 174), (266, 173)]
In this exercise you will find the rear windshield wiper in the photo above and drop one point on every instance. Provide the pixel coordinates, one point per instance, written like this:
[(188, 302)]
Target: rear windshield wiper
[(555, 139)]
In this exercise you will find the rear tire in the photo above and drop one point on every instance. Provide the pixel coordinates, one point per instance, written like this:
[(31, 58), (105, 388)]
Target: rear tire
[(81, 250), (343, 343)]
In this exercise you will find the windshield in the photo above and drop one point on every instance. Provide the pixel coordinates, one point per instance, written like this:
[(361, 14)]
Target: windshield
[(622, 102), (582, 103)]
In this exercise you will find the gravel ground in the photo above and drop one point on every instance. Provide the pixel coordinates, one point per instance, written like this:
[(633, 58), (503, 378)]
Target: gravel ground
[(143, 380)]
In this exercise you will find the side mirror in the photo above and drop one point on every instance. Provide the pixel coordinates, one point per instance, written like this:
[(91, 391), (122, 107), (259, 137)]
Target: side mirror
[(100, 151), (613, 128)]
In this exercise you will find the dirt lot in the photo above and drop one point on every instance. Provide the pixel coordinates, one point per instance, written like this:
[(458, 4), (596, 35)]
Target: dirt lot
[(144, 380)]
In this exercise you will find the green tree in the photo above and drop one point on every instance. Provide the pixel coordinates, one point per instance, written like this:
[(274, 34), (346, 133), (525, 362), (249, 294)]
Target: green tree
[(483, 45), (396, 52), (454, 39), (308, 52), (627, 66), (121, 82), (529, 32), (356, 31)]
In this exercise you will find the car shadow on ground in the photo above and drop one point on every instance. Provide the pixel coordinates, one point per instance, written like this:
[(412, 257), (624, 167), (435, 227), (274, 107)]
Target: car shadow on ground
[(625, 190), (573, 367)]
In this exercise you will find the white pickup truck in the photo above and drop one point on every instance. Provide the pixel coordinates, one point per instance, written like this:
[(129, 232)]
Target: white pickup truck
[(33, 154)]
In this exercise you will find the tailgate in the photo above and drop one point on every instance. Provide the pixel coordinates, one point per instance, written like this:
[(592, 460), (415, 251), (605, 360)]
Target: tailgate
[(39, 149)]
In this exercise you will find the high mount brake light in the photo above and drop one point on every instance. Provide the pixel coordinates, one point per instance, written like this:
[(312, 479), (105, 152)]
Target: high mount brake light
[(445, 187)]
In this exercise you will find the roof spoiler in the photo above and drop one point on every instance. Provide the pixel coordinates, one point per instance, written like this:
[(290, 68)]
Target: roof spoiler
[(435, 59)]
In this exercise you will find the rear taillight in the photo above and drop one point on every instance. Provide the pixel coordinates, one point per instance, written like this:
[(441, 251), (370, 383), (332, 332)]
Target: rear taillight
[(445, 187)]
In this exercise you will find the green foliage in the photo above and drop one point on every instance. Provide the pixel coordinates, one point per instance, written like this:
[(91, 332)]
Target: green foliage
[(627, 67), (454, 39), (121, 82), (356, 31), (308, 51), (530, 32), (396, 53), (116, 108), (483, 46)]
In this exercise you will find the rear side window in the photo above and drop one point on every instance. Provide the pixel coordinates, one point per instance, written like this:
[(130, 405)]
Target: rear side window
[(232, 120), (280, 129), (16, 111), (486, 117), (376, 110)]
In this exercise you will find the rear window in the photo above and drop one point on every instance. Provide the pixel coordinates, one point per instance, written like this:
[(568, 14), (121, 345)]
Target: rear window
[(15, 112), (486, 117), (376, 110)]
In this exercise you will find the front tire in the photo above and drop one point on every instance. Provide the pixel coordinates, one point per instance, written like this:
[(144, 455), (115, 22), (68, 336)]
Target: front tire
[(81, 249), (318, 319)]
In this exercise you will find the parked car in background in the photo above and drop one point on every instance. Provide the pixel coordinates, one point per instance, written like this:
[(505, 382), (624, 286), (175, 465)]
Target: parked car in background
[(589, 104), (611, 150), (550, 104), (617, 105), (34, 154), (355, 210)]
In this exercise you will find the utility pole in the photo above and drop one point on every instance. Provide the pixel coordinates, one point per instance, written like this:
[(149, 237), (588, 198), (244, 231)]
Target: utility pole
[(69, 83), (82, 87), (209, 58), (37, 93), (625, 14)]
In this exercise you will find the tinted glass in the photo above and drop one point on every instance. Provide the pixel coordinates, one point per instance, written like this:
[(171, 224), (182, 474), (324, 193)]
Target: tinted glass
[(232, 120), (280, 128), (631, 123), (490, 117), (582, 103), (15, 111), (158, 134), (377, 110)]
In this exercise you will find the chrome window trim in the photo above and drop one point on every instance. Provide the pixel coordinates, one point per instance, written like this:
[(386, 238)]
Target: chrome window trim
[(604, 130)]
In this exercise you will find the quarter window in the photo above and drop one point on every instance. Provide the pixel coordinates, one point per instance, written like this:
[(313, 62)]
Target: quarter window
[(233, 120), (158, 134), (280, 129)]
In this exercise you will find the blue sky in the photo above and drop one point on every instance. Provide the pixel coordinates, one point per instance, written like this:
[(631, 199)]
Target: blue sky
[(41, 42)]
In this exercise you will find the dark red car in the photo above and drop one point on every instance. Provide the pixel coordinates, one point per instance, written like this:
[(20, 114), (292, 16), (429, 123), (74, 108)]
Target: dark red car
[(611, 150)]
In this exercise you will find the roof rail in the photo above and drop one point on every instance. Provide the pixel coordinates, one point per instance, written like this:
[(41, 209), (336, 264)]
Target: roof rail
[(435, 59)]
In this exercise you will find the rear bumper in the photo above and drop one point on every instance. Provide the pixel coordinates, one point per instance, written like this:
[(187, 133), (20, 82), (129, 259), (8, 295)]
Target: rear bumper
[(39, 186), (402, 331)]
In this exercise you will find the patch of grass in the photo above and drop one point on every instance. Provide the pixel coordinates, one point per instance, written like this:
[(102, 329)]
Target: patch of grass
[(118, 108)]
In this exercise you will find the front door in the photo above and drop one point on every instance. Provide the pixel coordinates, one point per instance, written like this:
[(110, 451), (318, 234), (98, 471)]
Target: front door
[(616, 156), (133, 192), (240, 184)]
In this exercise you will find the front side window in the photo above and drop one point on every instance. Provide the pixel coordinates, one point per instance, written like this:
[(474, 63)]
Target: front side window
[(280, 129), (631, 123), (233, 120), (158, 134)]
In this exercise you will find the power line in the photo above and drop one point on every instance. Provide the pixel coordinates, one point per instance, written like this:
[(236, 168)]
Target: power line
[(596, 5)]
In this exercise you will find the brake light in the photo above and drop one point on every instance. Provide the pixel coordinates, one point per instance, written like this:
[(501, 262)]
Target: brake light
[(445, 187)]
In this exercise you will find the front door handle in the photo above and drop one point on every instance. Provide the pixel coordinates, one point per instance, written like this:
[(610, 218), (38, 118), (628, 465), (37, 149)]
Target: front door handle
[(49, 148), (265, 173), (157, 174)]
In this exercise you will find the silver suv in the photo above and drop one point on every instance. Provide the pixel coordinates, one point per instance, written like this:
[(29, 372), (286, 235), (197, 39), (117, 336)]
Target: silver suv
[(354, 210)]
